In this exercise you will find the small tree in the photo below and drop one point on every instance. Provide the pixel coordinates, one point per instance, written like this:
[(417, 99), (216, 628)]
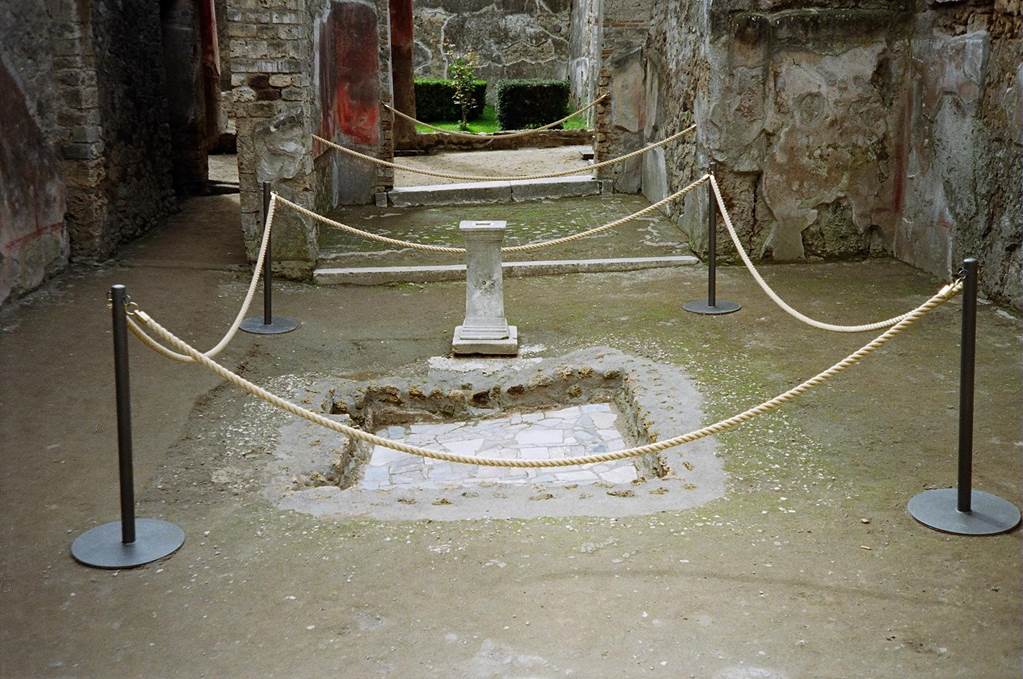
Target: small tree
[(462, 72)]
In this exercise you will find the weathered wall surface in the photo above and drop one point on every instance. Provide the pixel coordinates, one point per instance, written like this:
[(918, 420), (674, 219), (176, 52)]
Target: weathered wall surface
[(512, 38), (33, 236), (584, 51), (845, 131), (185, 96), (131, 185), (621, 120), (304, 67), (33, 239), (92, 156), (960, 164)]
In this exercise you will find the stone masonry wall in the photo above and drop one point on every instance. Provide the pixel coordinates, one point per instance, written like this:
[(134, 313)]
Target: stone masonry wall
[(85, 134), (130, 186), (512, 38), (846, 130), (186, 98), (297, 69), (620, 121)]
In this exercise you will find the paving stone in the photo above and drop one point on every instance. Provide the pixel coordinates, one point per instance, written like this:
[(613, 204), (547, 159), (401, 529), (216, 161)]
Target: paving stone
[(565, 432)]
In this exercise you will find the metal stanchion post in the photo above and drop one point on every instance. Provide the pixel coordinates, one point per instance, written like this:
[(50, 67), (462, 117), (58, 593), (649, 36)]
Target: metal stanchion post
[(711, 307), (130, 541), (268, 325), (962, 510)]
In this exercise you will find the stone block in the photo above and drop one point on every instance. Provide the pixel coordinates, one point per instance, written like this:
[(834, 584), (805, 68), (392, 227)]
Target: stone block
[(498, 347), (559, 187), (450, 194)]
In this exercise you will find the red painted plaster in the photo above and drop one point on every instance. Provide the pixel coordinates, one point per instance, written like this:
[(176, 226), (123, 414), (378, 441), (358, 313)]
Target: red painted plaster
[(349, 75)]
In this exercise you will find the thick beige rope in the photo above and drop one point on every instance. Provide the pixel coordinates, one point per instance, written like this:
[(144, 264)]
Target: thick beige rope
[(447, 249), (775, 297), (942, 296), (498, 135), (477, 178), (368, 235), (239, 317)]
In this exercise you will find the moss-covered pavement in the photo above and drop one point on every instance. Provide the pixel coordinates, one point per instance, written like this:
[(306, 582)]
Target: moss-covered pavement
[(808, 567)]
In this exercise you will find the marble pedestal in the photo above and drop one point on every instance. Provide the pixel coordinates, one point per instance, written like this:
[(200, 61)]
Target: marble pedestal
[(485, 329)]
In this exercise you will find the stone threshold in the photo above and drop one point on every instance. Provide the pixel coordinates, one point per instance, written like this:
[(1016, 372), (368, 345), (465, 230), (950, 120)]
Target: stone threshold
[(382, 275), (493, 192)]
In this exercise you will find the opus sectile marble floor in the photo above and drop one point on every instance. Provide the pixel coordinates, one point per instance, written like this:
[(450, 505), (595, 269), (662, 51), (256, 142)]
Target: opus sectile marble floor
[(568, 432)]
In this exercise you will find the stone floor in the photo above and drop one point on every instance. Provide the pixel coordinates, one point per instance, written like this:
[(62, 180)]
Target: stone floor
[(568, 432)]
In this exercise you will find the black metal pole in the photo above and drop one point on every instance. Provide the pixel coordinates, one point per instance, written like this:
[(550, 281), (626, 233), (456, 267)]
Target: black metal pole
[(129, 542), (118, 296), (268, 316), (967, 362), (268, 325), (711, 306), (712, 247), (972, 512)]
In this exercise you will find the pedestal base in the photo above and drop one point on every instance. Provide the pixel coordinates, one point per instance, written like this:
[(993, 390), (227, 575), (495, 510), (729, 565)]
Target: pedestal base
[(720, 308), (101, 547), (989, 514), (278, 326), (498, 347)]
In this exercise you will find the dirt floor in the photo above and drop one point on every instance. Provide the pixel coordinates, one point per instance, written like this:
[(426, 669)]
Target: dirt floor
[(809, 567), (526, 161)]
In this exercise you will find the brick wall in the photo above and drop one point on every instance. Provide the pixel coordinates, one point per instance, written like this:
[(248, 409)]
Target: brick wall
[(277, 72)]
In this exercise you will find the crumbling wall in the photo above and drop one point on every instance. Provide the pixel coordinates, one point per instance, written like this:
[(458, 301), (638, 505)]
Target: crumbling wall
[(512, 38), (33, 194), (621, 119), (271, 76), (85, 132), (960, 162), (848, 129), (33, 238), (304, 67)]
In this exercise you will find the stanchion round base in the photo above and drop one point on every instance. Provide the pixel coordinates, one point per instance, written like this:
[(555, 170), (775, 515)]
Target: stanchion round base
[(101, 547), (279, 326), (721, 308), (989, 514)]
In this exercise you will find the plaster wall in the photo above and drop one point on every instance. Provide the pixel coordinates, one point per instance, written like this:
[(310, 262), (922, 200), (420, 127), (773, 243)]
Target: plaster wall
[(856, 129)]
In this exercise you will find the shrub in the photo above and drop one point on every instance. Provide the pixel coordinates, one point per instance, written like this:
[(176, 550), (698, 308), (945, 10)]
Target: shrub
[(435, 100), (463, 76), (522, 104)]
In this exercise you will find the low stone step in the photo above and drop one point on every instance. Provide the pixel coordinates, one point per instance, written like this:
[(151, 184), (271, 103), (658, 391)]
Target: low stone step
[(382, 275), (490, 192)]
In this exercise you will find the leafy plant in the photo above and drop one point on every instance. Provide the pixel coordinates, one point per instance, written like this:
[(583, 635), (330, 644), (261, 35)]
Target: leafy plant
[(462, 72)]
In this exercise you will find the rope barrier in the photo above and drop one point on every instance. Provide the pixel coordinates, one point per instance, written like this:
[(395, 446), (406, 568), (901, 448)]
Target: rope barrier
[(775, 297), (447, 249), (946, 293), (498, 135), (249, 294), (469, 177)]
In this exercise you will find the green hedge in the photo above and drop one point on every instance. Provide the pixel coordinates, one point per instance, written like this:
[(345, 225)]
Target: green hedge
[(435, 100), (522, 104)]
